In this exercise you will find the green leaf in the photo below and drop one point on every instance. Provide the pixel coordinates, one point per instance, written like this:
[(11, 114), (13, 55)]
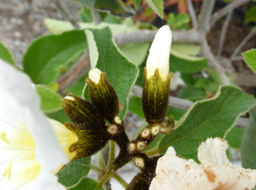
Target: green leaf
[(186, 64), (135, 52), (59, 115), (248, 149), (192, 93), (235, 137), (250, 59), (50, 100), (74, 171), (208, 118), (86, 184), (6, 55), (120, 72), (180, 21), (50, 55), (250, 15), (157, 6), (85, 15)]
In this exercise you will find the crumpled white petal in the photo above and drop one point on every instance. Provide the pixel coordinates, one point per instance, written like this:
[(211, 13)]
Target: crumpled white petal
[(214, 173), (159, 53), (28, 145)]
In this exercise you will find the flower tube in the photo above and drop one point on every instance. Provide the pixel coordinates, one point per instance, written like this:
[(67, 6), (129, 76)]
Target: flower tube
[(157, 77)]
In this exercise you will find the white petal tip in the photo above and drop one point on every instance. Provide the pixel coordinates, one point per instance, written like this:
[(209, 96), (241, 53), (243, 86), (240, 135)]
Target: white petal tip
[(94, 75), (159, 52), (71, 98)]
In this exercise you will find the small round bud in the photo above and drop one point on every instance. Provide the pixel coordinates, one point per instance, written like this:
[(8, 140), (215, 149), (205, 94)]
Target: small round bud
[(139, 162), (145, 133), (112, 129), (155, 130), (118, 120), (131, 148), (141, 146)]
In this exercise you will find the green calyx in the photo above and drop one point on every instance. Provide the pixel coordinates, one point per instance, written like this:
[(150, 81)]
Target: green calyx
[(155, 97), (104, 97)]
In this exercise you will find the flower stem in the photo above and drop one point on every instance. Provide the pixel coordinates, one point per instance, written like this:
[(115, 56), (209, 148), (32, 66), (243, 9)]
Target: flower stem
[(111, 152), (120, 180)]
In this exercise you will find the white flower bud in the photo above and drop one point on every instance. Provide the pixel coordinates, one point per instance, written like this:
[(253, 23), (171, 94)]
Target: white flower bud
[(159, 53)]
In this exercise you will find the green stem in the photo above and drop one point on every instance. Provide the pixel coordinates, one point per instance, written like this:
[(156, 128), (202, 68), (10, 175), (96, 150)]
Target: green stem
[(100, 159), (120, 180), (95, 168), (105, 177), (116, 176), (111, 152)]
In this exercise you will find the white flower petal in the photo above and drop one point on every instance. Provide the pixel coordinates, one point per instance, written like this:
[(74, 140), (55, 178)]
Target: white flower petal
[(159, 53), (26, 136), (174, 173), (214, 172)]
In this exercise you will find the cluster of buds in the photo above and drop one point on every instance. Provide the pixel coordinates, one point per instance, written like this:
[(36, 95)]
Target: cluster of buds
[(155, 104), (96, 121)]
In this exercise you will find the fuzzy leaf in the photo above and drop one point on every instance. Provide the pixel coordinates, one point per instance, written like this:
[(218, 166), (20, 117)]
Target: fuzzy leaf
[(74, 171), (120, 72), (50, 55), (5, 54), (250, 59), (208, 118), (50, 100), (248, 149)]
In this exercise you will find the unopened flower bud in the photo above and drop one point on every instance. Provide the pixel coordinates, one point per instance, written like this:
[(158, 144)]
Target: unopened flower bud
[(102, 94), (157, 77), (88, 125)]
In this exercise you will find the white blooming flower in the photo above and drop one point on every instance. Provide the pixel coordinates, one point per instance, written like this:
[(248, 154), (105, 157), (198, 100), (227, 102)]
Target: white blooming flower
[(159, 53), (214, 173), (30, 152)]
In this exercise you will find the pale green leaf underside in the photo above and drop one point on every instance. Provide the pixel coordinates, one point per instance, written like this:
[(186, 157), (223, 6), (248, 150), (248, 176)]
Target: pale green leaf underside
[(120, 72), (208, 118), (58, 26), (50, 100)]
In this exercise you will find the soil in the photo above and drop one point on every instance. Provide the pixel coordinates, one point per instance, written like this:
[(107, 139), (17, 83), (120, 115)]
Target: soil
[(21, 21)]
